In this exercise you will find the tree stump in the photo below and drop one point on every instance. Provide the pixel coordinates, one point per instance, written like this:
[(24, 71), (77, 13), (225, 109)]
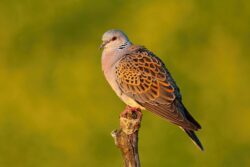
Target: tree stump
[(126, 137)]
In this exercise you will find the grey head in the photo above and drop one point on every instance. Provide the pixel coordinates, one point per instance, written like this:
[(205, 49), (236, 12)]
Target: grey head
[(114, 39)]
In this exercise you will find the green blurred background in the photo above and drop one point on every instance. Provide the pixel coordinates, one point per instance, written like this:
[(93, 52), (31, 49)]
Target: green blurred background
[(56, 109)]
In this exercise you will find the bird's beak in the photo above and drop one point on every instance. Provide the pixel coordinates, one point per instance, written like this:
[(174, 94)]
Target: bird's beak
[(103, 45)]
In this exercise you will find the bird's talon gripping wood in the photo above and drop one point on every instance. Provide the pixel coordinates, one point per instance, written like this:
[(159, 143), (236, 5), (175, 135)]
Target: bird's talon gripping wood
[(130, 122)]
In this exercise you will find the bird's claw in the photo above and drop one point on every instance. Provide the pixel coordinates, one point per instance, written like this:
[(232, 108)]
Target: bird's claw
[(135, 112)]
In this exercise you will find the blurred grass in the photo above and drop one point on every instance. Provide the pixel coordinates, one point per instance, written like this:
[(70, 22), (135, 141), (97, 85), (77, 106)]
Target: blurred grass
[(56, 109)]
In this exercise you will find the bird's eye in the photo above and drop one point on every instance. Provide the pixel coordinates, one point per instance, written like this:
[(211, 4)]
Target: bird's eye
[(114, 38)]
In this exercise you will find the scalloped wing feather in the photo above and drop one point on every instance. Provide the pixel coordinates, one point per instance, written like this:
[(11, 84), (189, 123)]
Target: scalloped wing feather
[(143, 77)]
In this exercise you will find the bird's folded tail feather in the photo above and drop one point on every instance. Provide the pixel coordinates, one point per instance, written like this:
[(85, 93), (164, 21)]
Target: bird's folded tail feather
[(194, 138)]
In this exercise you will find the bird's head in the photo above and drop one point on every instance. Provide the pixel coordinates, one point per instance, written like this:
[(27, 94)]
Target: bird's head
[(113, 39)]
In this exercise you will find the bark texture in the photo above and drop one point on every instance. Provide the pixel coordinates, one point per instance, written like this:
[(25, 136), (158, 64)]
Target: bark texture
[(126, 137)]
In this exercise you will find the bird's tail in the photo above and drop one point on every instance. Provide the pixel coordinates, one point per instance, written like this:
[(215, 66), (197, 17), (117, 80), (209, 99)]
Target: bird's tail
[(194, 138)]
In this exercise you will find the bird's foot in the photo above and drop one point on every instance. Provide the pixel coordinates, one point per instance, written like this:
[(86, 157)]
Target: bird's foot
[(133, 112), (130, 119)]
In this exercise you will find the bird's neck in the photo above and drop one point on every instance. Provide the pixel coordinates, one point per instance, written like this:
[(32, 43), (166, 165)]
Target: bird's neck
[(113, 54), (125, 45)]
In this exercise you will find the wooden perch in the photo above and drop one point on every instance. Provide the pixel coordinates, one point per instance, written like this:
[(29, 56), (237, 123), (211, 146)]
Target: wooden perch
[(126, 138)]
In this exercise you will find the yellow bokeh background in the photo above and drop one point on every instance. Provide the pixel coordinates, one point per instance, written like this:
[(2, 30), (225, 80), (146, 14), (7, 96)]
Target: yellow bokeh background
[(56, 109)]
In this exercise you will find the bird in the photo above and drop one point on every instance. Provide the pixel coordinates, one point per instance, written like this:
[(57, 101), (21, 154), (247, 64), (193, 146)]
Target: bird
[(142, 81)]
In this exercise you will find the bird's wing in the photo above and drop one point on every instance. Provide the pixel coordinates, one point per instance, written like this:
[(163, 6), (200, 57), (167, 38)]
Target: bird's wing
[(143, 77)]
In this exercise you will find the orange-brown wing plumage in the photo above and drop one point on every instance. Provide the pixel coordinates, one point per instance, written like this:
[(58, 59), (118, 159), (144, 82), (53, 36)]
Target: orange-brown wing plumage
[(143, 77)]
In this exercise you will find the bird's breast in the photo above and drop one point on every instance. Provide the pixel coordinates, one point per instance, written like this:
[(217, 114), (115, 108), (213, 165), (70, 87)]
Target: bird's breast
[(108, 66)]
